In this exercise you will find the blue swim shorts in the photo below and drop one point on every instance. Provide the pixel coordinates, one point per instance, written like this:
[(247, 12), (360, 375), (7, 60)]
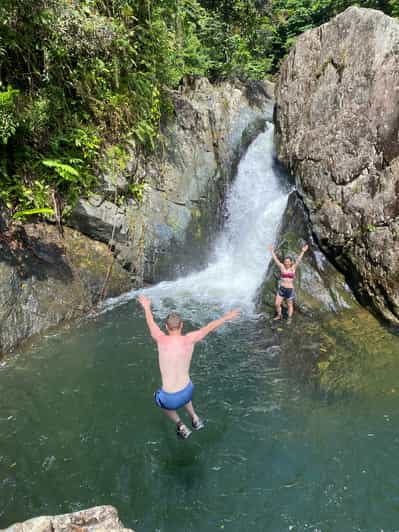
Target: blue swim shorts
[(286, 293), (173, 401)]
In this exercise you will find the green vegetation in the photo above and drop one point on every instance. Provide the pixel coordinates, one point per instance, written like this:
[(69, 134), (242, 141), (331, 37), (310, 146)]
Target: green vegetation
[(80, 79)]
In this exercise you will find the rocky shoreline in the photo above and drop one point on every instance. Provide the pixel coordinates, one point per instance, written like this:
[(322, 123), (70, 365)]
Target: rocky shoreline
[(97, 519)]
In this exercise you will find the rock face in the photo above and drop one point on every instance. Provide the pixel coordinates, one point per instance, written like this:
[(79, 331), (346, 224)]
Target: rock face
[(185, 180), (45, 280), (337, 124), (98, 519)]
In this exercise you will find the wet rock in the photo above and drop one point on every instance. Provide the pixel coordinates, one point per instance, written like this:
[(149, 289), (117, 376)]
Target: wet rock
[(341, 354), (337, 126), (273, 351), (97, 519), (333, 344), (185, 179), (45, 280)]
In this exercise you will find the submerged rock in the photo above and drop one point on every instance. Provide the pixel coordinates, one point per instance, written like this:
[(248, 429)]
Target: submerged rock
[(337, 123), (339, 354), (45, 280), (185, 179), (97, 519)]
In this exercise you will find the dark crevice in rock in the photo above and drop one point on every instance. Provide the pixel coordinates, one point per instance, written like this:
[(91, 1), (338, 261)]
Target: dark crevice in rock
[(31, 256), (339, 68), (257, 92)]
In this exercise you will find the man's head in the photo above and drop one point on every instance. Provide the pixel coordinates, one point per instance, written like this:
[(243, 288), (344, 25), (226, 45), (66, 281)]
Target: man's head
[(287, 262), (174, 322)]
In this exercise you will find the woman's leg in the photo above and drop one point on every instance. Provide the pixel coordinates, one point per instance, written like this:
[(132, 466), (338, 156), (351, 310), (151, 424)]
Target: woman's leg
[(290, 304), (278, 303)]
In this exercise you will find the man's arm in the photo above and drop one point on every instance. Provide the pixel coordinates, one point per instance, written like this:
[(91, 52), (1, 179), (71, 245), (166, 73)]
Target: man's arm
[(275, 258), (300, 256), (155, 331), (196, 336)]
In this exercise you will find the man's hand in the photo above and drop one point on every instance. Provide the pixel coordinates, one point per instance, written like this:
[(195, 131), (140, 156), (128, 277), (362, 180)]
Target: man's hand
[(144, 301), (155, 331), (232, 314), (305, 248)]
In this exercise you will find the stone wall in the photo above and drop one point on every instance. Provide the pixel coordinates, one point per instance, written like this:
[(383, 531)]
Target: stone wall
[(45, 280)]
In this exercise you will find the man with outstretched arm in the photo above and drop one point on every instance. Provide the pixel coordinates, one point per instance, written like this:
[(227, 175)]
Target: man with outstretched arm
[(174, 355)]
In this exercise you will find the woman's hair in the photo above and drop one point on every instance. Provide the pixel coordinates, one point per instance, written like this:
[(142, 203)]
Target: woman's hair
[(288, 257), (173, 321)]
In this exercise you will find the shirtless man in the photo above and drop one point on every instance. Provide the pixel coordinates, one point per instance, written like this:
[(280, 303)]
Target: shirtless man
[(174, 355)]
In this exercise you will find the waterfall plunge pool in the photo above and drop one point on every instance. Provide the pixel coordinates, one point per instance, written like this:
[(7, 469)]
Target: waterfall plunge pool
[(79, 426)]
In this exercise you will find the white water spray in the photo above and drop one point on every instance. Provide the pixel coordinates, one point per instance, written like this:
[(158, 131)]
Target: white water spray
[(255, 205)]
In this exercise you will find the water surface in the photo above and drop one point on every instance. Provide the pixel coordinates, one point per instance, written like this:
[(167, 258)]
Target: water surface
[(79, 428)]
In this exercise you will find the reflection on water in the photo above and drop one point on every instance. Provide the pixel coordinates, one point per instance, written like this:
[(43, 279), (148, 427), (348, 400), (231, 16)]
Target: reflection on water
[(79, 428)]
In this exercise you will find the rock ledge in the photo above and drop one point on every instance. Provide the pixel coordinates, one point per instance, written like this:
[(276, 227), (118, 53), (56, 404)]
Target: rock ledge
[(97, 519)]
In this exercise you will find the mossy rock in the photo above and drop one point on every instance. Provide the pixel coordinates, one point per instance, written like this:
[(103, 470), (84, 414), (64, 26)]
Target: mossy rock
[(339, 354), (333, 342)]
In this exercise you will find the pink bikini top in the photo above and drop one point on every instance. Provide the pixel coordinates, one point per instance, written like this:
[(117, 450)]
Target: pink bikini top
[(287, 275)]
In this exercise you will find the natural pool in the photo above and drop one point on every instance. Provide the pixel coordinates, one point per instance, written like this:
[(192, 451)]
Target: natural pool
[(79, 428)]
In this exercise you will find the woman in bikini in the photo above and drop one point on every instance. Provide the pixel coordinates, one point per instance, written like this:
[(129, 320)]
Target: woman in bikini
[(286, 287)]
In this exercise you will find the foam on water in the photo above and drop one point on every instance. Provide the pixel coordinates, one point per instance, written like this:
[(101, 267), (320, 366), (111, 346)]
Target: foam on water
[(254, 207)]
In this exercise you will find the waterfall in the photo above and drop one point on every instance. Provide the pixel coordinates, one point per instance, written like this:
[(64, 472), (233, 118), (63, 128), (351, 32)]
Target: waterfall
[(254, 207)]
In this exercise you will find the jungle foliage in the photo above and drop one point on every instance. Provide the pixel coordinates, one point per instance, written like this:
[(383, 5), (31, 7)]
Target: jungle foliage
[(79, 78)]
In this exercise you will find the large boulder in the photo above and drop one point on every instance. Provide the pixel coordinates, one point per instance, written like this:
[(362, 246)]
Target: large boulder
[(97, 519), (45, 280), (185, 179), (337, 123)]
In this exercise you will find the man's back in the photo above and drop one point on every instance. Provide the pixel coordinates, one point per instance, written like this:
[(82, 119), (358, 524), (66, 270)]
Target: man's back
[(174, 349), (174, 355)]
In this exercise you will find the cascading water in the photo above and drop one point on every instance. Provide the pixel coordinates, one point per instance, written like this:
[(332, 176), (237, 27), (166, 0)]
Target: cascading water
[(254, 206)]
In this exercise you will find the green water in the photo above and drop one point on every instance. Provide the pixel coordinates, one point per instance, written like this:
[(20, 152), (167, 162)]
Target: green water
[(79, 428)]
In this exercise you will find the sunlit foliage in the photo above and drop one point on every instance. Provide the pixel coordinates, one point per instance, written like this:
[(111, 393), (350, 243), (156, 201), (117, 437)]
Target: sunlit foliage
[(80, 76)]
